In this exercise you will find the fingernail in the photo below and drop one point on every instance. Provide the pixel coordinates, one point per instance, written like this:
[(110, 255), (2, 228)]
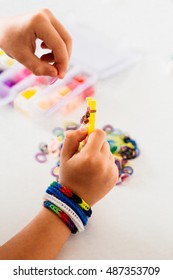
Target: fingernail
[(68, 132), (84, 129), (61, 75), (53, 72)]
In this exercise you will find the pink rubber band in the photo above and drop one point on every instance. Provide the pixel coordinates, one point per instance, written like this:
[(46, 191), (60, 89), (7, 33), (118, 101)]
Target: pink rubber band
[(53, 80)]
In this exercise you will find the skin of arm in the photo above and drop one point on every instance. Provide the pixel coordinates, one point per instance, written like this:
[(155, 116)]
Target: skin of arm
[(18, 39), (90, 173), (41, 239)]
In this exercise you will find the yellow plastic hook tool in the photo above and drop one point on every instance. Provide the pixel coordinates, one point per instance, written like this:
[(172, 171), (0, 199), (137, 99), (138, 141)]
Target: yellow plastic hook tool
[(91, 107)]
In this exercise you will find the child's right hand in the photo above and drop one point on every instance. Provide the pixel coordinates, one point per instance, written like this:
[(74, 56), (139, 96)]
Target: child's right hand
[(18, 39), (92, 172)]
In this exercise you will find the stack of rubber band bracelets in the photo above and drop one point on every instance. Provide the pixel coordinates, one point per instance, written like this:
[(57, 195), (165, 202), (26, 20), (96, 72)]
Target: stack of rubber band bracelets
[(68, 206)]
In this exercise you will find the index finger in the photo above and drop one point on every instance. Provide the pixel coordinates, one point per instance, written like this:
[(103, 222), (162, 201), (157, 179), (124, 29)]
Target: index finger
[(61, 31), (95, 141), (53, 41)]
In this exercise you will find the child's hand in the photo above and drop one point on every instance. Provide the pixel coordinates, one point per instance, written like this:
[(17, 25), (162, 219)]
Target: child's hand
[(90, 173), (18, 39)]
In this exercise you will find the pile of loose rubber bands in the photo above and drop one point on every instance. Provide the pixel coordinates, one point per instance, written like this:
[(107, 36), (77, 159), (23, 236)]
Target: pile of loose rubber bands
[(122, 146)]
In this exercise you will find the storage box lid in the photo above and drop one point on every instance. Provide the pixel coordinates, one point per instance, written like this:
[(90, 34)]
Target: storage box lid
[(98, 54)]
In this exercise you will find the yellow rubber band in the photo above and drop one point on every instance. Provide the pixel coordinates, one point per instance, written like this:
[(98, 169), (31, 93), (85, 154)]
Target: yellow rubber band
[(84, 205)]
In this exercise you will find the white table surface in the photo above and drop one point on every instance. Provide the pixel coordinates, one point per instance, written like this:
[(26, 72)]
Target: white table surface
[(134, 221)]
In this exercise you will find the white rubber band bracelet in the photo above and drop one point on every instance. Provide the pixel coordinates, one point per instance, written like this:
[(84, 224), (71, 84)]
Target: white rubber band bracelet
[(64, 207)]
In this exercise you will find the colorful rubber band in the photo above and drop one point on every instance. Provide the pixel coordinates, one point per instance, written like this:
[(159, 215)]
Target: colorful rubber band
[(63, 189), (41, 157)]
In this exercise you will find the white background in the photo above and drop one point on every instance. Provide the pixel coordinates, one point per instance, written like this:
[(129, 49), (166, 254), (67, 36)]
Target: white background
[(135, 221)]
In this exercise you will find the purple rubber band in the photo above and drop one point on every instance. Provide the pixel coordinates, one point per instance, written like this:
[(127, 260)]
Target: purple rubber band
[(40, 157), (53, 174)]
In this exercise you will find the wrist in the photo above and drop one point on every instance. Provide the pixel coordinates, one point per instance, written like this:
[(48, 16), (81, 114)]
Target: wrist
[(81, 191), (51, 219)]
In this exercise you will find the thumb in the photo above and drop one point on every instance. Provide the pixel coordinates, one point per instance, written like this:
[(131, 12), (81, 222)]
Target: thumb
[(72, 141), (36, 65)]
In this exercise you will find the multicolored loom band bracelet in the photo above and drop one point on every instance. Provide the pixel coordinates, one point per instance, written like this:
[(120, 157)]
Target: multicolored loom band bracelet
[(63, 216), (66, 209), (64, 191), (53, 191), (73, 196)]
